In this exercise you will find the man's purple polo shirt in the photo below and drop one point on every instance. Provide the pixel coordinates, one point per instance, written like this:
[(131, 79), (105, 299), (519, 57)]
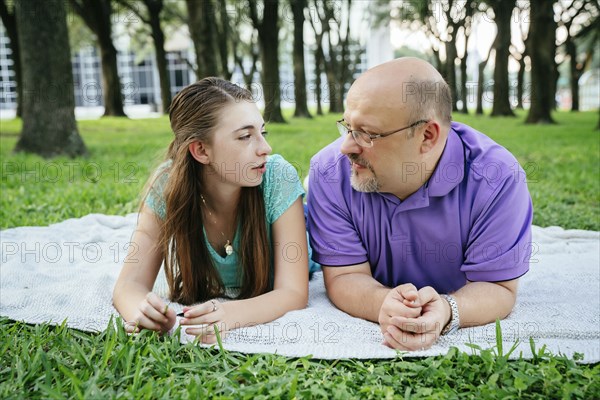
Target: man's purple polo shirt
[(470, 223)]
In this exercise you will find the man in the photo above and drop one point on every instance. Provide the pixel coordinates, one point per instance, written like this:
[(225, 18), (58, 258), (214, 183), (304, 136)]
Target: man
[(420, 223)]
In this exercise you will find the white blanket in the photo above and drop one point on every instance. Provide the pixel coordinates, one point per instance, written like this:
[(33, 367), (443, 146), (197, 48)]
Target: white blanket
[(67, 271)]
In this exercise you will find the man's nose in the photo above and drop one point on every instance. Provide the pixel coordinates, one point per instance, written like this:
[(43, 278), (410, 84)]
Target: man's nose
[(349, 145)]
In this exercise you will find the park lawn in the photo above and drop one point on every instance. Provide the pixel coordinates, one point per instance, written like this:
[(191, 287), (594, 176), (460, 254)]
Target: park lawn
[(562, 162)]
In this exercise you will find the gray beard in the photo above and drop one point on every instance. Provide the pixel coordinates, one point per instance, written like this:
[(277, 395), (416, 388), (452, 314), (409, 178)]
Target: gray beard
[(367, 185)]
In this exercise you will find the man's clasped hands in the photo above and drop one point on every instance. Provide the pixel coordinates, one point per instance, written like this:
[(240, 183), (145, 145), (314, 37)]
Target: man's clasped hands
[(412, 319)]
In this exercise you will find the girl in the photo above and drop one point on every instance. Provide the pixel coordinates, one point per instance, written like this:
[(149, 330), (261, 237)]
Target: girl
[(226, 219)]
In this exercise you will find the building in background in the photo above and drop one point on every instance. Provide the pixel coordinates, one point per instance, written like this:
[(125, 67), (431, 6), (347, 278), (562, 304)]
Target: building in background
[(589, 89), (8, 87)]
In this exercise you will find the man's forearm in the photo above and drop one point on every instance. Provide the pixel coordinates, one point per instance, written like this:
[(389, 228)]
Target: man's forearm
[(480, 303), (357, 294)]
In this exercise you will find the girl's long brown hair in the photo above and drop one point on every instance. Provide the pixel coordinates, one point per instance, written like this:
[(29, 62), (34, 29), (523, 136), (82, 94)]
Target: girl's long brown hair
[(191, 275)]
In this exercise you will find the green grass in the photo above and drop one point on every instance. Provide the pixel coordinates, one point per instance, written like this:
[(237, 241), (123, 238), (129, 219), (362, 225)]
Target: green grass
[(562, 163), (43, 361), (57, 362)]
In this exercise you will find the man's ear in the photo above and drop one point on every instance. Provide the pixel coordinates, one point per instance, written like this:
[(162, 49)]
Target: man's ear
[(199, 151), (431, 136)]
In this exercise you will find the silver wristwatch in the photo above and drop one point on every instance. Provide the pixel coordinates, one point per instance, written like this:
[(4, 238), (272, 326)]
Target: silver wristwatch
[(454, 322)]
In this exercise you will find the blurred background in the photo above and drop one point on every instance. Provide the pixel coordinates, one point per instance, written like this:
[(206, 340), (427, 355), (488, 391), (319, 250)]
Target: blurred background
[(129, 58)]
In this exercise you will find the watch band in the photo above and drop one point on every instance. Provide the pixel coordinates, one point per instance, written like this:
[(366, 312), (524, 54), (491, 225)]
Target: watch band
[(454, 322)]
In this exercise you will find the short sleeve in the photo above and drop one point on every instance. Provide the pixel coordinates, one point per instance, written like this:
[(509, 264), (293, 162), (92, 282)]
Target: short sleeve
[(333, 236), (499, 244), (281, 187), (155, 198)]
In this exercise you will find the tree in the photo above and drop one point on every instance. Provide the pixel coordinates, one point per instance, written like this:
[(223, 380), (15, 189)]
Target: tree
[(425, 15), (298, 7), (521, 58), (324, 11), (457, 16), (268, 38), (49, 126), (238, 42), (470, 7), (588, 38), (242, 49), (502, 15), (318, 54), (481, 79), (97, 16), (542, 48), (224, 34), (521, 78), (10, 24), (336, 58), (350, 55), (203, 31), (578, 20), (319, 68), (152, 18)]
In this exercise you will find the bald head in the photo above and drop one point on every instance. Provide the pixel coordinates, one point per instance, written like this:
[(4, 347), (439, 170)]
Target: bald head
[(405, 68), (408, 85)]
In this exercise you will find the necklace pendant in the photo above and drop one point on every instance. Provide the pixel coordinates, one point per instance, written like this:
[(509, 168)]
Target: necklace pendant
[(228, 248)]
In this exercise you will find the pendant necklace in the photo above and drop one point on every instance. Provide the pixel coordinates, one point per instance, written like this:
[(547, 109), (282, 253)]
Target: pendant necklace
[(228, 247)]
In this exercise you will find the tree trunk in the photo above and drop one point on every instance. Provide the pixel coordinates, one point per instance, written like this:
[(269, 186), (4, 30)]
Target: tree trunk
[(318, 71), (438, 61), (319, 57), (248, 76), (554, 82), (480, 86), (463, 83), (471, 7), (223, 39), (10, 24), (346, 66), (330, 16), (481, 79), (450, 69), (268, 37), (520, 80), (298, 7), (503, 13), (541, 52), (239, 60), (331, 68), (49, 126), (575, 74), (154, 10), (202, 30), (97, 16), (113, 101), (332, 86)]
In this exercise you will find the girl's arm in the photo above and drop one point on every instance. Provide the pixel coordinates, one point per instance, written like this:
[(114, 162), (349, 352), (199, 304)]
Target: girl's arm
[(132, 295), (290, 290)]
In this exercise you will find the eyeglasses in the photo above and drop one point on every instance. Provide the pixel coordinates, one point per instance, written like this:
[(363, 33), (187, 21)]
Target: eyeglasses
[(365, 139)]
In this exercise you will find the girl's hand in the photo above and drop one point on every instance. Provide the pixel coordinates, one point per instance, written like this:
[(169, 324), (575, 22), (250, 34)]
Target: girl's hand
[(205, 316), (152, 314)]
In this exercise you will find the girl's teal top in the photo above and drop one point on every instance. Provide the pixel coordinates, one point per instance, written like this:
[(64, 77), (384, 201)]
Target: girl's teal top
[(280, 186)]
